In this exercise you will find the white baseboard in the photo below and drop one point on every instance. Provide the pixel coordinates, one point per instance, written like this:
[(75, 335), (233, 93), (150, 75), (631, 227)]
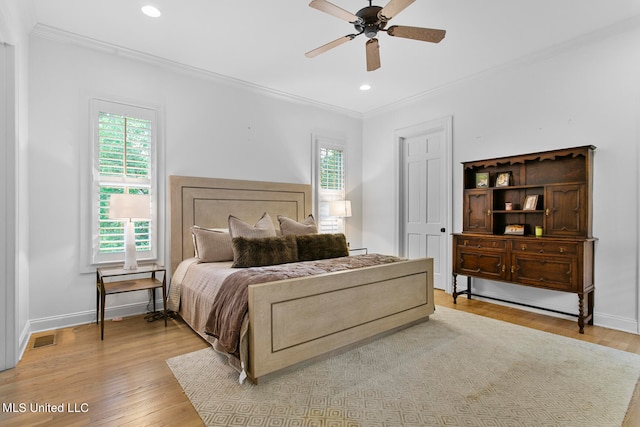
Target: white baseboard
[(617, 323)]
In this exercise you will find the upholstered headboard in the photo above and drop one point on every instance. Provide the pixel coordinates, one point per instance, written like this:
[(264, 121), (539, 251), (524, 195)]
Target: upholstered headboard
[(208, 202)]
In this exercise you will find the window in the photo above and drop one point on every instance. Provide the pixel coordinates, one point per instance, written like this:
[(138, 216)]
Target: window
[(329, 183), (124, 161)]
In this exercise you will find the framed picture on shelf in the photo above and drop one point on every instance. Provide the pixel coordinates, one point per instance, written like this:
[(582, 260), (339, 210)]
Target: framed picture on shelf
[(515, 229), (503, 179), (482, 179), (530, 203)]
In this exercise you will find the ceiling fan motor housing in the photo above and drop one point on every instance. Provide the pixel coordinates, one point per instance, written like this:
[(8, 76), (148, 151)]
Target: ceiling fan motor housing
[(370, 22)]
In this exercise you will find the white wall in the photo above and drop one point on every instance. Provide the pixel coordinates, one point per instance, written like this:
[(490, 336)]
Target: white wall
[(586, 93), (213, 128)]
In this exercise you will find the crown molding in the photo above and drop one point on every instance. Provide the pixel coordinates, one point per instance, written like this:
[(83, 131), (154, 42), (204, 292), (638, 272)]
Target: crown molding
[(60, 36)]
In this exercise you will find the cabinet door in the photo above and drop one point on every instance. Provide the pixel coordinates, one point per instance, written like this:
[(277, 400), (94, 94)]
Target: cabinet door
[(479, 263), (477, 216), (551, 272), (565, 210)]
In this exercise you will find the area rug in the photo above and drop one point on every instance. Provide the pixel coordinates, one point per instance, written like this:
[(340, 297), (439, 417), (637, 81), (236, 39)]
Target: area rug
[(457, 369)]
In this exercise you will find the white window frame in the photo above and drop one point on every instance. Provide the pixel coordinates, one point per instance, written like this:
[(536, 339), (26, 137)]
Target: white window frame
[(91, 237), (321, 198)]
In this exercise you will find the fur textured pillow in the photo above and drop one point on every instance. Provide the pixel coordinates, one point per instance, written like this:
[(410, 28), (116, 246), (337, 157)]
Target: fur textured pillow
[(258, 252), (263, 228), (321, 246), (211, 245), (290, 226)]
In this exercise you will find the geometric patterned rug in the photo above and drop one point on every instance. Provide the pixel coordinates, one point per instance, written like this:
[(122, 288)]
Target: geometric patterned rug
[(457, 369)]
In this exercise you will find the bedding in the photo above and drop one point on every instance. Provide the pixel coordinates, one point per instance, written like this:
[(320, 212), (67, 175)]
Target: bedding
[(291, 226), (262, 228), (211, 245), (321, 246), (264, 251)]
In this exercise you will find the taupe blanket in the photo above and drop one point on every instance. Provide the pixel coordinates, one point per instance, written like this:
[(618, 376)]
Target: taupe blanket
[(231, 304)]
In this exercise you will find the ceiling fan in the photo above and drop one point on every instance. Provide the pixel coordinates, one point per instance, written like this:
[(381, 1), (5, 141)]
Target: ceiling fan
[(370, 20)]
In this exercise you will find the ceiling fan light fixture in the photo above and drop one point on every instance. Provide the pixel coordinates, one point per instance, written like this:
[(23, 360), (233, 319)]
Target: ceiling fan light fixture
[(365, 87), (151, 11), (371, 32)]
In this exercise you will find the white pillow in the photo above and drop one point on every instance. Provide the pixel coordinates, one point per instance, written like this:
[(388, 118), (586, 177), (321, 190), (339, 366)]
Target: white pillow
[(263, 228), (212, 245), (291, 226)]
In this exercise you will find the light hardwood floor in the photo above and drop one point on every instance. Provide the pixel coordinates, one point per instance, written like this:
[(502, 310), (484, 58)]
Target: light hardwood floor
[(124, 380)]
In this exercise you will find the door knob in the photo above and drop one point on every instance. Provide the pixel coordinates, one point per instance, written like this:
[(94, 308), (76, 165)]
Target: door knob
[(442, 230)]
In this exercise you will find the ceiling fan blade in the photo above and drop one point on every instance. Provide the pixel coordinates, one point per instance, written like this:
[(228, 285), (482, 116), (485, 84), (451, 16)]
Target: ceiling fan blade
[(373, 55), (330, 45), (332, 9), (416, 33), (393, 8)]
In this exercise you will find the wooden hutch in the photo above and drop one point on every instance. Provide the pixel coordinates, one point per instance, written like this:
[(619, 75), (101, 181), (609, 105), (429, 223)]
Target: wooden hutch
[(527, 220)]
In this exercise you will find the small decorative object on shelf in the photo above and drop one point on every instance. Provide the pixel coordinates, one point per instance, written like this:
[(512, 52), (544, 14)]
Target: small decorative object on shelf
[(503, 179), (515, 229), (482, 180), (538, 231), (530, 203), (508, 206)]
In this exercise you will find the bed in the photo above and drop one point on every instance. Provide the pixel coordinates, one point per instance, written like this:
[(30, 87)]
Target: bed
[(294, 320)]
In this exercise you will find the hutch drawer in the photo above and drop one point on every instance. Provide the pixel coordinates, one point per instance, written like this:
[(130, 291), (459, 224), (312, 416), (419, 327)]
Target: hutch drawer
[(483, 243), (544, 247)]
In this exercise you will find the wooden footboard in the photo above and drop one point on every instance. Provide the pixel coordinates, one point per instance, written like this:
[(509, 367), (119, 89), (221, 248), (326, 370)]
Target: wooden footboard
[(295, 320)]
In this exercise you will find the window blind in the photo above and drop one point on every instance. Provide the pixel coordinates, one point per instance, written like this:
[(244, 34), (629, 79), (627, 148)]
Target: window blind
[(124, 154), (331, 179), (124, 161)]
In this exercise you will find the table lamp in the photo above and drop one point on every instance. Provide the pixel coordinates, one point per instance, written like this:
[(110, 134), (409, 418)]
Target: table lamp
[(129, 207), (340, 208)]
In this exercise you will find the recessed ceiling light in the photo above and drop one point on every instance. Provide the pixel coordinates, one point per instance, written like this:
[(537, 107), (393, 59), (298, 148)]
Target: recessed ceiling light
[(151, 11), (365, 87)]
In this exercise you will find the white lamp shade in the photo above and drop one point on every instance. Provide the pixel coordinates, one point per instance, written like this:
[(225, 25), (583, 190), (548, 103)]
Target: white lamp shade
[(129, 206), (340, 208)]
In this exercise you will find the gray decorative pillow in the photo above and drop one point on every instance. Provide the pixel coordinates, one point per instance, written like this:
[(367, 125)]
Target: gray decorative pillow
[(263, 228), (290, 226), (211, 245), (258, 252), (321, 246)]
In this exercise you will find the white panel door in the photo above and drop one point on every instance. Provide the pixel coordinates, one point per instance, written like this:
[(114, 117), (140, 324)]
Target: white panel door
[(425, 202)]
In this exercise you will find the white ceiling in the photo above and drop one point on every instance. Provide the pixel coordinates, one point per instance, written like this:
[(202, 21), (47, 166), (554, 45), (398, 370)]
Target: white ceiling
[(263, 42)]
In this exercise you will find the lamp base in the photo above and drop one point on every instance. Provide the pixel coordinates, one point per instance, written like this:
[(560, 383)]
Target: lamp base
[(130, 261)]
